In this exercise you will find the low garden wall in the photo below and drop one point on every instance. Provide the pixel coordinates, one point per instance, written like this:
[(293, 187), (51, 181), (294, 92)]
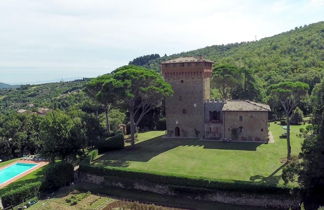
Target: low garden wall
[(231, 192)]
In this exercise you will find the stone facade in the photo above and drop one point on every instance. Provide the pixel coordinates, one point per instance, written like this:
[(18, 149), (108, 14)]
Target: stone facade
[(191, 114), (191, 85)]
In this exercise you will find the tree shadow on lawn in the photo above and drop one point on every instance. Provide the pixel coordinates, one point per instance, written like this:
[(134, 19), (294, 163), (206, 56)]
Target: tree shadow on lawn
[(146, 150), (269, 180)]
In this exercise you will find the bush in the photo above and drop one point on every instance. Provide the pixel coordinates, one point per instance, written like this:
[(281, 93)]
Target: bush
[(111, 143), (21, 194), (283, 122), (57, 175), (93, 154), (297, 117), (90, 157)]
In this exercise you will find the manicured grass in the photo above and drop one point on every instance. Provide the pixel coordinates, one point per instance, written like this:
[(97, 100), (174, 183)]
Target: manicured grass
[(2, 164), (260, 163)]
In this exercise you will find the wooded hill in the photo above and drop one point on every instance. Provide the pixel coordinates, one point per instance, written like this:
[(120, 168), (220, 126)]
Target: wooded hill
[(7, 86), (52, 95), (296, 55)]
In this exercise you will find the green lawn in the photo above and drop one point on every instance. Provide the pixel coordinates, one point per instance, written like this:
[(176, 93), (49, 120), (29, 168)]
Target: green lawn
[(2, 164), (253, 162)]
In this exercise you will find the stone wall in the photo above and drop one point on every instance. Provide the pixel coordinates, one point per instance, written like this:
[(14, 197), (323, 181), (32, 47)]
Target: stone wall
[(229, 197), (246, 126), (185, 109)]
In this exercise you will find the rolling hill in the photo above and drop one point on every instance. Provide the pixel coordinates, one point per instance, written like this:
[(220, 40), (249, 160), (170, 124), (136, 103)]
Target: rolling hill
[(6, 86), (297, 54)]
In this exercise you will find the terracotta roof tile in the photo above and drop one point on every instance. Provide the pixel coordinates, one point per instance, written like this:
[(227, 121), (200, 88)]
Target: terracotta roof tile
[(240, 105), (187, 59)]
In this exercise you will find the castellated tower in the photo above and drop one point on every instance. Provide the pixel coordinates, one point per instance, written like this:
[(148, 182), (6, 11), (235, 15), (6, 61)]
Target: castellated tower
[(190, 79)]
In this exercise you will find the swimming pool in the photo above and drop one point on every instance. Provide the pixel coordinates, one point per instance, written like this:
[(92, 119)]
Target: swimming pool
[(14, 170)]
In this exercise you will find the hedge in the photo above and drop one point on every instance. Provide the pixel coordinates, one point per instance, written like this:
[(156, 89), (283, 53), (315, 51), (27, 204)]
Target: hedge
[(175, 180), (111, 143), (57, 175), (20, 195)]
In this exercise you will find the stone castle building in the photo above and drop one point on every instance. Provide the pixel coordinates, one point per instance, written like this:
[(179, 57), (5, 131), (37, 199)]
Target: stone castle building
[(190, 113)]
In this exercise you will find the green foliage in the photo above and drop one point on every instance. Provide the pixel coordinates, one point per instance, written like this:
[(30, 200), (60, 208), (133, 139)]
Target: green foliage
[(290, 171), (288, 95), (62, 136), (57, 175), (74, 199), (312, 172), (19, 134), (225, 79), (117, 117), (139, 91), (297, 116), (18, 195), (103, 90), (273, 59), (144, 60), (93, 154), (111, 143), (62, 95)]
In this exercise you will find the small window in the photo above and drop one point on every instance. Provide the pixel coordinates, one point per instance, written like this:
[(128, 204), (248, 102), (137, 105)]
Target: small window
[(181, 81), (261, 129), (241, 129), (184, 111), (241, 118)]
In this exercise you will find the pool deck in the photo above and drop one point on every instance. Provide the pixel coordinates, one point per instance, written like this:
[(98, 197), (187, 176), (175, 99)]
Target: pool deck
[(39, 165)]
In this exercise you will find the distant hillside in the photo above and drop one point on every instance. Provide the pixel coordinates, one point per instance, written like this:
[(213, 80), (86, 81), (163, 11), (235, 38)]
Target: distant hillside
[(51, 95), (295, 55), (6, 86)]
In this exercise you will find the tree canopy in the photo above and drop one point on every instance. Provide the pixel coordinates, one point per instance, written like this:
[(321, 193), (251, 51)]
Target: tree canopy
[(140, 90), (288, 95)]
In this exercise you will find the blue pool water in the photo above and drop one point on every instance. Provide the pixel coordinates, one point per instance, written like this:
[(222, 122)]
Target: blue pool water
[(14, 170)]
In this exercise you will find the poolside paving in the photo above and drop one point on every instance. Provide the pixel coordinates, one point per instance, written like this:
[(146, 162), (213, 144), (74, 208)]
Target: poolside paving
[(39, 165)]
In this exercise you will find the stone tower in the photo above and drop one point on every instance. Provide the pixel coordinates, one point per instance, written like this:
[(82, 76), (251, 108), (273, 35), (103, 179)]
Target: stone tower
[(190, 79)]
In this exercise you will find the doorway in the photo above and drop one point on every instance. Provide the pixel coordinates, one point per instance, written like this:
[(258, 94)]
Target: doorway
[(177, 131)]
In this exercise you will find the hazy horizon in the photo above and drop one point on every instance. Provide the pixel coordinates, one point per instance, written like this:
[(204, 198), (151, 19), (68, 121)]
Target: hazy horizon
[(44, 41)]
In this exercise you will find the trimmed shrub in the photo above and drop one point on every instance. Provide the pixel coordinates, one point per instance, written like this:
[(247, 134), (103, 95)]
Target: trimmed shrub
[(111, 143), (20, 195), (57, 175)]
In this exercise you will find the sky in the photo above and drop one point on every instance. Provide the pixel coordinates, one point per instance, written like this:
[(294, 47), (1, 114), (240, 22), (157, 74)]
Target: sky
[(54, 40)]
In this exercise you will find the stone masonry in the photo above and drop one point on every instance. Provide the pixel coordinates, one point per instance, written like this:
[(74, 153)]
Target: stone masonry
[(191, 114)]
